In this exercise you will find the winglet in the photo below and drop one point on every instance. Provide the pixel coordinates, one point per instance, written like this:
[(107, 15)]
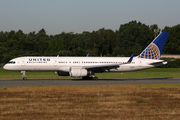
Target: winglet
[(130, 59), (88, 55)]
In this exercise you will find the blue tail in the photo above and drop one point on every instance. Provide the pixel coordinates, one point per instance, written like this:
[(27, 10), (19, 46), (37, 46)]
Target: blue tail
[(155, 48)]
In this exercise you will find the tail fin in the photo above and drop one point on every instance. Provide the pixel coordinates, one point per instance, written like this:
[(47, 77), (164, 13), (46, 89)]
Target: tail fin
[(155, 48)]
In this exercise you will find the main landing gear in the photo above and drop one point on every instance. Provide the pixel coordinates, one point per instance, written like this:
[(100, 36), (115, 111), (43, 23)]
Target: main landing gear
[(24, 75), (94, 77), (90, 78)]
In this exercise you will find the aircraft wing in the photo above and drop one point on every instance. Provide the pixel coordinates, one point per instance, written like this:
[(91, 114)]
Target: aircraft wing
[(107, 67)]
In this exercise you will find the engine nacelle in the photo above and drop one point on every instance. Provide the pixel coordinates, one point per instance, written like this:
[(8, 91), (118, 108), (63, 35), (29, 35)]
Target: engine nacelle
[(78, 72), (60, 73)]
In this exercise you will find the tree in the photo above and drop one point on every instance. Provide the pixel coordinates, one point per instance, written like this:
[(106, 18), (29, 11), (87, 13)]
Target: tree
[(54, 46), (133, 37), (42, 41), (173, 42), (103, 40)]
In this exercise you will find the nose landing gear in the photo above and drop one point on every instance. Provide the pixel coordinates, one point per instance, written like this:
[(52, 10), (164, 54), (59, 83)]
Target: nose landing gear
[(24, 75)]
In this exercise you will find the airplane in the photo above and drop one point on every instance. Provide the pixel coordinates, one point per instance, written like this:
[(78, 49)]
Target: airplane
[(86, 67)]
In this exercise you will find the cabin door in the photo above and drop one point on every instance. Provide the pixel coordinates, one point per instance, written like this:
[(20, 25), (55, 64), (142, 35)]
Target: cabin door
[(55, 62), (140, 63), (22, 62)]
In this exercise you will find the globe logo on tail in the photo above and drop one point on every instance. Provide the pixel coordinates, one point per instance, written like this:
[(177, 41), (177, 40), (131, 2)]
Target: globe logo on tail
[(151, 52)]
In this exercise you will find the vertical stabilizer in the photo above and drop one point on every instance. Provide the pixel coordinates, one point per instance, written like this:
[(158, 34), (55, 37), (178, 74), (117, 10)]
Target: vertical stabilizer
[(155, 48)]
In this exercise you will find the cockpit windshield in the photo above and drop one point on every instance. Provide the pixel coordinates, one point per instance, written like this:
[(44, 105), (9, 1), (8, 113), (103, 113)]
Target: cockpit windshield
[(11, 62)]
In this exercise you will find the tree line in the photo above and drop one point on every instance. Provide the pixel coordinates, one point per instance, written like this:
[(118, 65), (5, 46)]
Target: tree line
[(132, 37)]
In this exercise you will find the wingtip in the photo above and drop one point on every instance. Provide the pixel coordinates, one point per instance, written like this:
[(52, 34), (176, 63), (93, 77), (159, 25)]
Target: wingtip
[(131, 58), (88, 55)]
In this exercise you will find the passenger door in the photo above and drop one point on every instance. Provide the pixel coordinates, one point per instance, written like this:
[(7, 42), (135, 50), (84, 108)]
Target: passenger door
[(55, 62), (22, 62)]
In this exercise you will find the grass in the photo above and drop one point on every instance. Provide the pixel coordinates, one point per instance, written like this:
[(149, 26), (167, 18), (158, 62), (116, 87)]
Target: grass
[(132, 102), (149, 73)]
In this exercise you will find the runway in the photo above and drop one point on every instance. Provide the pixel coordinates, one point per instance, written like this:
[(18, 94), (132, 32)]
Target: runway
[(69, 82)]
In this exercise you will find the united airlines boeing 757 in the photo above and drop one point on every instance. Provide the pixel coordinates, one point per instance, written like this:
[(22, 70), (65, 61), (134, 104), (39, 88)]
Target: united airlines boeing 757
[(86, 67)]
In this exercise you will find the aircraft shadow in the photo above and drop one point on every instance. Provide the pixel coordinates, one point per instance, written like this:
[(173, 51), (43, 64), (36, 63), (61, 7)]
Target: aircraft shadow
[(102, 79), (124, 79)]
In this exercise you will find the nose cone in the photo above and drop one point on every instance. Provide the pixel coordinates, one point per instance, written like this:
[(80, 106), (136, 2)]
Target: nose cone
[(5, 67)]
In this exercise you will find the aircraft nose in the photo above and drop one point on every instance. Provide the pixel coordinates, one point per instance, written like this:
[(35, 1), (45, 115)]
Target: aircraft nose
[(5, 67)]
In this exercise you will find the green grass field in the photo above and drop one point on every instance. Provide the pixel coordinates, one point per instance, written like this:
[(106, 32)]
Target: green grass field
[(149, 73)]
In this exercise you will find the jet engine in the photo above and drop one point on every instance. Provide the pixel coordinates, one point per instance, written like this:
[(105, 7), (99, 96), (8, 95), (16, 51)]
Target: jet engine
[(78, 72)]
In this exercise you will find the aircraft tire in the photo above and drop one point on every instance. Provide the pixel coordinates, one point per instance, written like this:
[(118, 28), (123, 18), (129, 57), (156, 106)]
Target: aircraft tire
[(95, 78)]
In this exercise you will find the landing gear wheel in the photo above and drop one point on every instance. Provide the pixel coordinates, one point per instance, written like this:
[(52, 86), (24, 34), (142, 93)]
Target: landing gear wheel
[(95, 78), (24, 75), (90, 77)]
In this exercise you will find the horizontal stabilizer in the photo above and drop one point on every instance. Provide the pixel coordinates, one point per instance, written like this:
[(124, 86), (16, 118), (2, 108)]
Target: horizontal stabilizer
[(162, 62), (159, 63)]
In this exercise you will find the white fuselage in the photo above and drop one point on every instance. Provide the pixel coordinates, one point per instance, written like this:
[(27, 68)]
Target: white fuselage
[(65, 63)]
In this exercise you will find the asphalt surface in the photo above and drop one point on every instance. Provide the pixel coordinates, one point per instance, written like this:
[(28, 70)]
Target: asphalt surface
[(67, 82)]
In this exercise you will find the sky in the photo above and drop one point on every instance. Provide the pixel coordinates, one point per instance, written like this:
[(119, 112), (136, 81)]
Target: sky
[(57, 16)]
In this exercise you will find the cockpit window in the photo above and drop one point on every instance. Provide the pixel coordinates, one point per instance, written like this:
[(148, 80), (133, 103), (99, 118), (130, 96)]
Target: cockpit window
[(11, 62)]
